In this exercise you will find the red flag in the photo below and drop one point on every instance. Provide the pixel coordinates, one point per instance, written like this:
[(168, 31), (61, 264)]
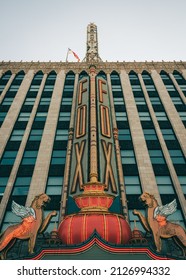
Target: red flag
[(75, 55)]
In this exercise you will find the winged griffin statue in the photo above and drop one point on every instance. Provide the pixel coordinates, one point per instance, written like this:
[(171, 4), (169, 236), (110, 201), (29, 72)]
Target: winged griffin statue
[(32, 223), (157, 223)]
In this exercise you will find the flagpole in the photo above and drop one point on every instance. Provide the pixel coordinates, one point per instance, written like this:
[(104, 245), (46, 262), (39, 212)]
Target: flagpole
[(67, 55)]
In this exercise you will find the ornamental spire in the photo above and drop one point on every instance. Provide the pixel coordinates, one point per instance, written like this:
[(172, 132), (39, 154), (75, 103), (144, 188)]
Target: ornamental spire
[(92, 44)]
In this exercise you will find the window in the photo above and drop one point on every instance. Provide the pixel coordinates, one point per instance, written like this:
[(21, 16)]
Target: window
[(34, 88), (36, 135), (124, 134), (144, 116), (58, 157), (23, 117), (48, 88), (22, 185), (29, 157), (29, 101), (156, 157), (150, 88), (8, 157), (150, 134), (170, 87), (132, 184), (2, 116), (66, 101), (168, 134), (182, 116), (155, 100), (164, 185), (41, 116), (140, 101), (177, 100), (127, 157), (7, 101), (161, 116), (177, 157), (14, 88), (64, 116), (118, 101), (61, 134), (17, 135), (54, 185), (3, 183), (121, 116), (45, 101), (136, 88)]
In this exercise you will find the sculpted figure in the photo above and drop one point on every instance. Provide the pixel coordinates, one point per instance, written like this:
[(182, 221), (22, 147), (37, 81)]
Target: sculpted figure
[(32, 223), (156, 221)]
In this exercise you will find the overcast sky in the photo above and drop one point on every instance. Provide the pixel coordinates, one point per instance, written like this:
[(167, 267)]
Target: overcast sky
[(127, 30)]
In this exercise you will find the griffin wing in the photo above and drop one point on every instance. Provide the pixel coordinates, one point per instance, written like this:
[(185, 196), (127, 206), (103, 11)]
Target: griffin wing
[(167, 209), (22, 211)]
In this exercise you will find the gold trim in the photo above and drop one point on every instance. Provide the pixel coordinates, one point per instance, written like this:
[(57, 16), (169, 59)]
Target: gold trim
[(81, 91), (105, 121), (81, 121), (78, 174), (101, 90)]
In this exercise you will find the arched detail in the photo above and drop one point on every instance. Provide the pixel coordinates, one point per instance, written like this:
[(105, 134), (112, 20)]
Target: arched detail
[(132, 72), (102, 74), (114, 73), (145, 72), (6, 73), (40, 72), (176, 72), (22, 72), (70, 73), (83, 74), (53, 72), (163, 72)]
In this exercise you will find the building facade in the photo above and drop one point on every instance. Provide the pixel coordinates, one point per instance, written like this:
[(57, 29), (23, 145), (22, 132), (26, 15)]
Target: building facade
[(64, 124)]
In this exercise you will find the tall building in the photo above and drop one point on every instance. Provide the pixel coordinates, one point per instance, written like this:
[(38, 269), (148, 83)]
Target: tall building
[(116, 125)]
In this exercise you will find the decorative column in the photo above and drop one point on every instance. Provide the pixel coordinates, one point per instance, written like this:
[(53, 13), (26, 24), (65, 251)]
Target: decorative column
[(93, 128)]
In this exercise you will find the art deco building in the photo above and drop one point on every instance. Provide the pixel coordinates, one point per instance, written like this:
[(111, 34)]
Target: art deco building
[(120, 125)]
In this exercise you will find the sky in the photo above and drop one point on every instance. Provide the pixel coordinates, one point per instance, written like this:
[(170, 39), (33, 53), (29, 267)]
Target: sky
[(43, 30)]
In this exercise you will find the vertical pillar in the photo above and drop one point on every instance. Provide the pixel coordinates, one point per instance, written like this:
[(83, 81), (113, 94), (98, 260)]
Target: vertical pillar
[(8, 124), (6, 87), (166, 154), (69, 152), (118, 153), (93, 128), (170, 109), (40, 174), (1, 73), (146, 172), (20, 153)]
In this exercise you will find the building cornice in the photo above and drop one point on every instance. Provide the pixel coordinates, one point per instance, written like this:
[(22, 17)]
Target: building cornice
[(107, 67)]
